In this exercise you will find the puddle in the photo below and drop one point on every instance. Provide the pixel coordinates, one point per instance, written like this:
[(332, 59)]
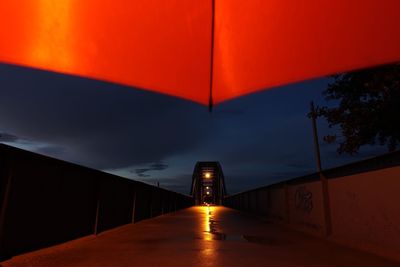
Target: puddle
[(213, 232), (260, 240)]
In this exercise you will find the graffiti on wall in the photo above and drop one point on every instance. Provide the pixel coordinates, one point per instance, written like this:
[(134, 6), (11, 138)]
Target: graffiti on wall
[(304, 199)]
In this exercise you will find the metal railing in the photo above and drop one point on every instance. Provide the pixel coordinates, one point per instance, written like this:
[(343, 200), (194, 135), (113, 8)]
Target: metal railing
[(45, 201)]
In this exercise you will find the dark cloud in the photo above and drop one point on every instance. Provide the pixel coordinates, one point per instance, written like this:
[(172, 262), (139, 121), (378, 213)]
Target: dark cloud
[(5, 137), (142, 172), (158, 166)]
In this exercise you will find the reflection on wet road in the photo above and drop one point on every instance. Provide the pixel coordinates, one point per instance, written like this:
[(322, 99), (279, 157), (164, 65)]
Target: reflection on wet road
[(199, 236), (211, 230)]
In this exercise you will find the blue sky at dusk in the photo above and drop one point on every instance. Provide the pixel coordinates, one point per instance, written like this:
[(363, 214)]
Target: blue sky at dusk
[(259, 139)]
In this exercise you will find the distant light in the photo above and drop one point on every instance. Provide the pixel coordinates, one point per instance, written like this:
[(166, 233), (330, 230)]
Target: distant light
[(208, 193), (207, 175), (207, 187)]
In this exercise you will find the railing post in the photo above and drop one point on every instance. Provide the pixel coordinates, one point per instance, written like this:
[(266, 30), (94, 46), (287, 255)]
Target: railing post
[(151, 202), (96, 220), (134, 205), (175, 202), (287, 202), (161, 201), (5, 201)]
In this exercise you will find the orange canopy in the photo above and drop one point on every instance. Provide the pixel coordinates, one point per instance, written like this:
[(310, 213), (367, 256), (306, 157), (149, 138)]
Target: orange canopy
[(189, 48)]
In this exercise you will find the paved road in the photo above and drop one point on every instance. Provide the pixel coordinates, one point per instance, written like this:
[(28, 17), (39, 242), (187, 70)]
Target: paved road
[(199, 236)]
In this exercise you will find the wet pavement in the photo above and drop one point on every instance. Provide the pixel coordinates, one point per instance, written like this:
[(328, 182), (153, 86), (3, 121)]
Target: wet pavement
[(199, 236)]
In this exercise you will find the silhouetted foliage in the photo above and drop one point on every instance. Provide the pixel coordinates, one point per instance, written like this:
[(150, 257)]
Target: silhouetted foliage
[(368, 110)]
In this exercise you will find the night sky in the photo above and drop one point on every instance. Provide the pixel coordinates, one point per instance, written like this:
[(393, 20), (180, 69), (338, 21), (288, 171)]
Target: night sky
[(259, 139)]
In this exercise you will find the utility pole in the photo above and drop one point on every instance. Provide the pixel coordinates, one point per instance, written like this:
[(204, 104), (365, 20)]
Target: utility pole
[(324, 181), (313, 116)]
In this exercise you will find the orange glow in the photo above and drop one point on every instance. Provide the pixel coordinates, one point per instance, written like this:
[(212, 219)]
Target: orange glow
[(207, 222), (207, 175), (59, 54), (262, 44), (165, 45), (159, 45)]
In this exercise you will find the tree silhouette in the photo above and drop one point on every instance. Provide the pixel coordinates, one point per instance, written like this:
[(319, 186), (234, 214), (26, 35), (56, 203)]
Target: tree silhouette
[(368, 110)]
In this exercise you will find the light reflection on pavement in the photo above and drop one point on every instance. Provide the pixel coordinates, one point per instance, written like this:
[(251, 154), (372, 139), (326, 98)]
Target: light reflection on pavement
[(198, 236)]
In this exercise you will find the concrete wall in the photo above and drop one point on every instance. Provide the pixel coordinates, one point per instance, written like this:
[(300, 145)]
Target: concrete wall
[(365, 210), (44, 201), (362, 211), (306, 211)]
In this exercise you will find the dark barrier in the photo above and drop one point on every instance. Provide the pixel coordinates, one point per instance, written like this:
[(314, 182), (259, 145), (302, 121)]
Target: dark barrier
[(156, 202), (142, 203), (44, 201), (115, 202)]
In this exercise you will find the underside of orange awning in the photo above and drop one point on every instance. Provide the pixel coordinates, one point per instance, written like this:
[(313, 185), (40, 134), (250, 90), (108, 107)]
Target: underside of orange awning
[(200, 49)]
